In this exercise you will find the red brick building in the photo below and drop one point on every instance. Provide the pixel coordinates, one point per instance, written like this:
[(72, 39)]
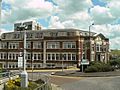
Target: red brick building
[(52, 47)]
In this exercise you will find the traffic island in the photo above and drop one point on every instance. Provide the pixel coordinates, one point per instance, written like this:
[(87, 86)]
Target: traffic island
[(15, 85)]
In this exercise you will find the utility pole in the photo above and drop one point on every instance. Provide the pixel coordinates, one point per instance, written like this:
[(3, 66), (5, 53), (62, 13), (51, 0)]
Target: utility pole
[(90, 41), (24, 75)]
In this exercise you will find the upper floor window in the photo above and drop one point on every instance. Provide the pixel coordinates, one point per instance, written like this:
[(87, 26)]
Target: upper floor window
[(37, 56), (53, 34), (39, 35), (69, 45), (16, 36), (53, 45), (37, 45), (13, 46), (29, 35), (99, 48), (3, 45), (28, 45)]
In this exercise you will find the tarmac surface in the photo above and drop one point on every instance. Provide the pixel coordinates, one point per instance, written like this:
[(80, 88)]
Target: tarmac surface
[(77, 73), (73, 79)]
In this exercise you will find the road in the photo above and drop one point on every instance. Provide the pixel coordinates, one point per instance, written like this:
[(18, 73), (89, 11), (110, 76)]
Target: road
[(91, 83), (83, 83)]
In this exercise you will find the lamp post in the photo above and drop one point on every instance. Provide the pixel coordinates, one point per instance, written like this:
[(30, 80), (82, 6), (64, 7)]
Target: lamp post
[(90, 41), (24, 75)]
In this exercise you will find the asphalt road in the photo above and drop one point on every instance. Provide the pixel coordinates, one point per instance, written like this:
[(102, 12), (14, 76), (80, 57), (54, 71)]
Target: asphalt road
[(82, 83), (94, 83)]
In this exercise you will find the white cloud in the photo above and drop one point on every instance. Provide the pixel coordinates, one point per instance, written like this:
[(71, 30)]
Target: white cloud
[(102, 15), (27, 9), (69, 24), (74, 11), (55, 22), (114, 8)]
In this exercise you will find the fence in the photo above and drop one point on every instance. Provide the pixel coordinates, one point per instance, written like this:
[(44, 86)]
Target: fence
[(44, 77)]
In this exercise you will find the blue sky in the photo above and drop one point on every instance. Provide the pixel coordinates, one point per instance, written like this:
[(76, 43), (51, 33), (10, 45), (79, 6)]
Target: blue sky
[(66, 14)]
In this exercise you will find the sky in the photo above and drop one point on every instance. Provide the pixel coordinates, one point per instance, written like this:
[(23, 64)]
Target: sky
[(79, 14)]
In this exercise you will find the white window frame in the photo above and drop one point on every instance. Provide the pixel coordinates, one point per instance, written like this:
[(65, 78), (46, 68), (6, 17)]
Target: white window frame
[(69, 45), (36, 45), (53, 45)]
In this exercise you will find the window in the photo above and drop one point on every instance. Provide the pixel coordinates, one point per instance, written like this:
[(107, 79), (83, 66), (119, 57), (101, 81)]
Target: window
[(35, 57), (53, 34), (9, 56), (57, 56), (53, 56), (3, 45), (69, 56), (37, 45), (16, 36), (13, 56), (28, 56), (48, 57), (28, 45), (16, 56), (53, 45), (1, 55), (69, 45), (39, 56), (93, 47), (73, 56), (5, 55), (97, 47), (13, 45), (39, 35), (29, 35), (64, 56)]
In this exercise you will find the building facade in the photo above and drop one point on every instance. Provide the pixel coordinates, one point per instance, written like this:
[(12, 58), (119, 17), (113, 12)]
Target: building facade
[(53, 48)]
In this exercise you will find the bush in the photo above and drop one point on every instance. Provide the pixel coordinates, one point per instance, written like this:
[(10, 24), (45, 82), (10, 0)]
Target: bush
[(91, 69), (98, 67), (115, 63)]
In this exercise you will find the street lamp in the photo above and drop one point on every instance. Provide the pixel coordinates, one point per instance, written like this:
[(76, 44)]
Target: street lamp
[(24, 75), (90, 41)]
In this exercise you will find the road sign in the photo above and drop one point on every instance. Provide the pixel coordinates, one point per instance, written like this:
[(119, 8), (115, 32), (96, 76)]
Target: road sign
[(20, 61), (84, 62)]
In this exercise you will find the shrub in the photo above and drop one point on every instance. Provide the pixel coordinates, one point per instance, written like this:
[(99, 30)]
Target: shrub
[(115, 63), (99, 67), (91, 69)]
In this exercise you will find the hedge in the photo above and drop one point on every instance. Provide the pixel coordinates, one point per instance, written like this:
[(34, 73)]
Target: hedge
[(99, 67)]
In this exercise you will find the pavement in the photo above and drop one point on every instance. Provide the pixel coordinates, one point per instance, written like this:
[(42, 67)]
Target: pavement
[(77, 73)]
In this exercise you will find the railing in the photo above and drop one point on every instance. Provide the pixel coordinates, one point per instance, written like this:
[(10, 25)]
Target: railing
[(44, 77), (6, 76), (46, 85)]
